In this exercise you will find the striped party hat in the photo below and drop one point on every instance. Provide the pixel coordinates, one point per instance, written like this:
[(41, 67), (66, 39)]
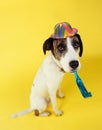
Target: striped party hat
[(63, 30)]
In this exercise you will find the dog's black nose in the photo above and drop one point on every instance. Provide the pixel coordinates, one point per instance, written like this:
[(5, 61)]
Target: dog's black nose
[(74, 64)]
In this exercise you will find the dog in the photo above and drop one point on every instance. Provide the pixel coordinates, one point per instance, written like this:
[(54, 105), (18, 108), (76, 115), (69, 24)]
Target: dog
[(62, 58)]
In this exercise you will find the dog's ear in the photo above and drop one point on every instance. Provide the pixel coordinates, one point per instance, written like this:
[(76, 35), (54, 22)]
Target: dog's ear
[(48, 45), (81, 45)]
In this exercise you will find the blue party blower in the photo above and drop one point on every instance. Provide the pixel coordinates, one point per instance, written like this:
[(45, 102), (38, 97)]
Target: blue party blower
[(81, 86)]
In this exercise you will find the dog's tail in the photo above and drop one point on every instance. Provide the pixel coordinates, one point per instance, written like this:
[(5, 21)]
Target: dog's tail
[(21, 113)]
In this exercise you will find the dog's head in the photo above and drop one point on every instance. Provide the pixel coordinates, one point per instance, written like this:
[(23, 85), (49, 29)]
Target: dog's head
[(65, 51)]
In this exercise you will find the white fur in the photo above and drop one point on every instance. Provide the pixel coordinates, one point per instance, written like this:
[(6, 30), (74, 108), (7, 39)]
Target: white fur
[(47, 82)]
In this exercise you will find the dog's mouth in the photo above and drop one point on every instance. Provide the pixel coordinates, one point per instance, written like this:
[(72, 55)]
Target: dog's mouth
[(72, 70)]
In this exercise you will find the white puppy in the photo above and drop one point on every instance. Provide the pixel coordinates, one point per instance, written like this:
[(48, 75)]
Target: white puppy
[(63, 57)]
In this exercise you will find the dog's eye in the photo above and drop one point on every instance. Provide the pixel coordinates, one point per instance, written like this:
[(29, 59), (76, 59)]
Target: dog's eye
[(75, 45), (61, 48)]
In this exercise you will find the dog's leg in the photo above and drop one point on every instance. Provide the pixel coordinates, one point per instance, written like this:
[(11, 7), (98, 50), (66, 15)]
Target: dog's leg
[(59, 93), (45, 113), (40, 113), (54, 103), (39, 105)]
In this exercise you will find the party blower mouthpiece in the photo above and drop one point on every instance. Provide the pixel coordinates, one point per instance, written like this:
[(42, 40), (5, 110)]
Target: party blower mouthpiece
[(81, 86)]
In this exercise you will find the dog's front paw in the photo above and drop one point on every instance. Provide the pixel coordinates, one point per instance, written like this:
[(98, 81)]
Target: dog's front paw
[(58, 113), (61, 95)]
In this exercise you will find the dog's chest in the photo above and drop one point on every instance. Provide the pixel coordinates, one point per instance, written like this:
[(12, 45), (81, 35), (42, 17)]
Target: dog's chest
[(49, 75), (51, 70)]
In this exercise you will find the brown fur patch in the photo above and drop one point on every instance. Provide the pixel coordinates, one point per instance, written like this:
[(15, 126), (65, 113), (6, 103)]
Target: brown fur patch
[(56, 43), (36, 112), (74, 38)]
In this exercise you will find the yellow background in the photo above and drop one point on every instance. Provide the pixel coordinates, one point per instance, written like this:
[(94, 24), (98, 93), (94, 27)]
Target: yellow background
[(24, 25)]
